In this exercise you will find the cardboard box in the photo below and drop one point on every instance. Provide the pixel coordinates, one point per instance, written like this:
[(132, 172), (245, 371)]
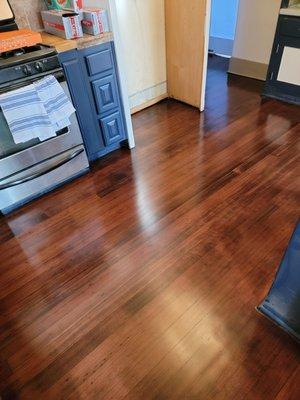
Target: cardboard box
[(62, 23), (73, 5), (94, 21)]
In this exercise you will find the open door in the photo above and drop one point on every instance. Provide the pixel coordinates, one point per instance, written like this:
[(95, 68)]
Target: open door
[(187, 25)]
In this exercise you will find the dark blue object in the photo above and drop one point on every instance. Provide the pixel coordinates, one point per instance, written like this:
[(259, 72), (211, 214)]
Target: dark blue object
[(287, 35), (106, 93), (282, 304), (92, 76)]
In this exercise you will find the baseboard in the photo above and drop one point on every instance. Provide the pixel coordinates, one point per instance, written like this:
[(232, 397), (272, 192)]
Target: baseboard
[(221, 46), (145, 97), (247, 68), (148, 103)]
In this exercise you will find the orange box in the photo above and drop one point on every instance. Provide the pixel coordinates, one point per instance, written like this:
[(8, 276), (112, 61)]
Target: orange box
[(16, 39)]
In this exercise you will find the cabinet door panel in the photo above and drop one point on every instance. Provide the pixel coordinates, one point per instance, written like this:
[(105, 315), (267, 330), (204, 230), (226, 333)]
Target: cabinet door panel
[(283, 77), (96, 97), (113, 128), (290, 26), (106, 93), (90, 128), (99, 62)]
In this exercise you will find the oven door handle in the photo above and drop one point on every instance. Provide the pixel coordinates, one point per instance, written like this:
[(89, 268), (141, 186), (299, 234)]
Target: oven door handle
[(8, 87), (42, 172)]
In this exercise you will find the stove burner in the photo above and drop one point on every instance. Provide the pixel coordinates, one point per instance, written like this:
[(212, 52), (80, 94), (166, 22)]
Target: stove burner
[(13, 53), (20, 51)]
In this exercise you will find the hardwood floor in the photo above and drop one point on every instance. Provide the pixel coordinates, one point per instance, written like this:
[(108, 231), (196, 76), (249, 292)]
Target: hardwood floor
[(140, 279)]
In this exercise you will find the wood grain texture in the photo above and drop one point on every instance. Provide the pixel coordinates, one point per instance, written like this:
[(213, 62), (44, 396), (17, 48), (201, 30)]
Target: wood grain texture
[(140, 280), (62, 45), (185, 24)]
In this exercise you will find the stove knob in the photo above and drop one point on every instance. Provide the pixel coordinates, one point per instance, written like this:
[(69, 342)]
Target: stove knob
[(27, 70), (39, 66)]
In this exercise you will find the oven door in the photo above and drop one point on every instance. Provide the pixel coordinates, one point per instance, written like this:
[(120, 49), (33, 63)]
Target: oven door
[(17, 157), (30, 183)]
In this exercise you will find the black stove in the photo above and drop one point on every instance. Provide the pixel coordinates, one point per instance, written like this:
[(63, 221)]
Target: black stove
[(28, 52), (29, 62), (18, 56)]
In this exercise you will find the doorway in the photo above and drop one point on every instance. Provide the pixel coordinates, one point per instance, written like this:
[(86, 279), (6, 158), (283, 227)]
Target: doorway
[(220, 32), (222, 27)]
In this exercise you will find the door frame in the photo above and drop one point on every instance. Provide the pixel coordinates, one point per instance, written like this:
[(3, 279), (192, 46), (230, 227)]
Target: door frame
[(205, 59), (122, 78), (206, 47)]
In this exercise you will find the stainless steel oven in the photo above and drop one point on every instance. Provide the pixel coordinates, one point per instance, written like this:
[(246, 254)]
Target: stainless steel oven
[(30, 169)]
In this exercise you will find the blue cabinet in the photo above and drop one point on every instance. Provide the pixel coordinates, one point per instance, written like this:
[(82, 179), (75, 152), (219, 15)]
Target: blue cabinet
[(287, 38), (282, 304), (99, 58), (112, 127), (105, 90), (94, 85)]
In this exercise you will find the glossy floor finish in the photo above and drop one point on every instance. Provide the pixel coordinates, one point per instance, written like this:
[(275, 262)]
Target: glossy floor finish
[(140, 280)]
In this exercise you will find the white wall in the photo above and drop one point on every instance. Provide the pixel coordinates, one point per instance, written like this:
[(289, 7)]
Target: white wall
[(223, 18), (141, 25), (255, 30), (97, 3), (222, 26), (142, 31)]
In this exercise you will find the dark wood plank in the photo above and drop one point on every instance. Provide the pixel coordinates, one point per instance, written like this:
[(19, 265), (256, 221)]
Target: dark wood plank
[(140, 280)]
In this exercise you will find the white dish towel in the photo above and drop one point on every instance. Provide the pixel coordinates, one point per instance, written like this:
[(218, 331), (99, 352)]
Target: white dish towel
[(57, 105), (26, 115), (38, 110)]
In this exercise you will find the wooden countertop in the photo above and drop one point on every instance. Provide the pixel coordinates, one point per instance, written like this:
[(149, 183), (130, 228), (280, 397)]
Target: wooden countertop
[(86, 41), (293, 11)]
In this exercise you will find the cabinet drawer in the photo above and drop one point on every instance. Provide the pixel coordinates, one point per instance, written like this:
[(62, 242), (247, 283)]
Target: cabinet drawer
[(112, 127), (290, 26), (106, 93), (100, 61)]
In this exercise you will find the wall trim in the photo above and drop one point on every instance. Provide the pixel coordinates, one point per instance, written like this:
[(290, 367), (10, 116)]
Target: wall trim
[(222, 46), (149, 103), (250, 69), (147, 95)]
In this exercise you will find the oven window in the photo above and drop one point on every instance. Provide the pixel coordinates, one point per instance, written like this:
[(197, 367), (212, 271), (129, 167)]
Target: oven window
[(7, 144)]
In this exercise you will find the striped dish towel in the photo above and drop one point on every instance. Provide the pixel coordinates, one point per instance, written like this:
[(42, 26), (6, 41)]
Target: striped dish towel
[(56, 102), (26, 115)]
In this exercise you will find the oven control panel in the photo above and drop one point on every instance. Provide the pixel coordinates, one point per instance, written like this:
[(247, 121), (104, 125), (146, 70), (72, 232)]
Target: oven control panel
[(30, 69)]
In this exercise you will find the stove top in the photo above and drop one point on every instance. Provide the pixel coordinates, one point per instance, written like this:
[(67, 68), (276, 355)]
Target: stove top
[(26, 54), (28, 63)]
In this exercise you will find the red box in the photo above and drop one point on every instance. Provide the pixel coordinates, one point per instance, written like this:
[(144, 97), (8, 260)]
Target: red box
[(65, 24), (94, 21)]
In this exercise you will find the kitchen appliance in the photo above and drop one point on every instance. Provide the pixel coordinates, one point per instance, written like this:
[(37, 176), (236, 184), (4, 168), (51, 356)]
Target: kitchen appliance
[(7, 18), (30, 169)]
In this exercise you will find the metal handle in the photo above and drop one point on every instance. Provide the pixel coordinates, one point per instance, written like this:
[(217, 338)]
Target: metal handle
[(41, 172), (57, 73)]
